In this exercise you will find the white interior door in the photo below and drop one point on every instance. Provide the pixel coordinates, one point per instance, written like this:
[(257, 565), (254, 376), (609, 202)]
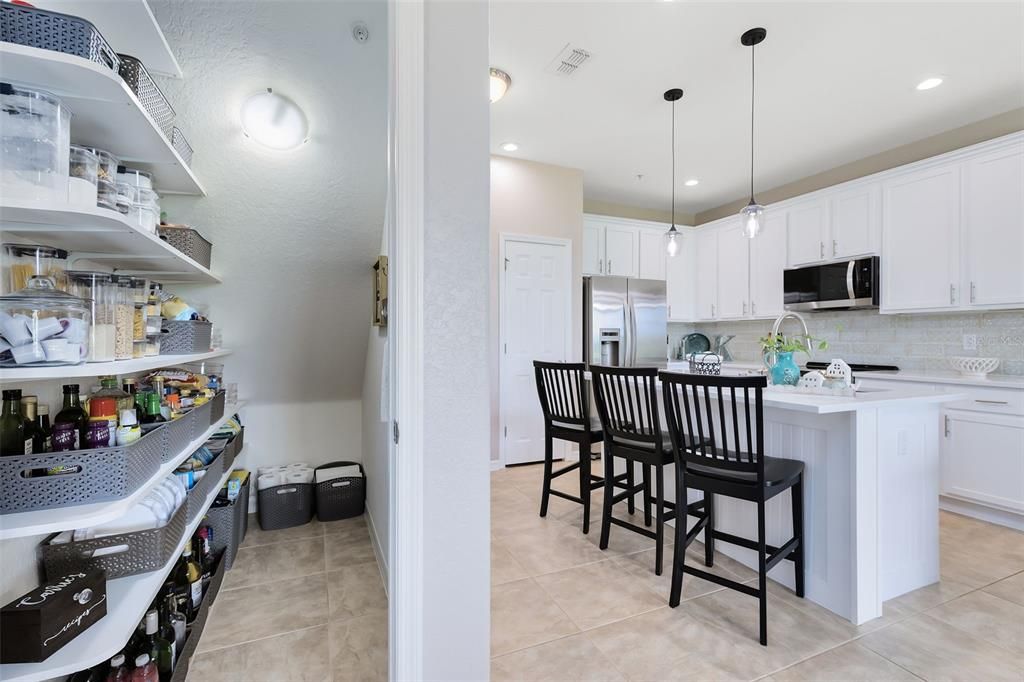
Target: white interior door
[(536, 319)]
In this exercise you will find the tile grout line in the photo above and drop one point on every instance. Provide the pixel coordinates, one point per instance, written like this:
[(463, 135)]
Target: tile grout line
[(260, 639)]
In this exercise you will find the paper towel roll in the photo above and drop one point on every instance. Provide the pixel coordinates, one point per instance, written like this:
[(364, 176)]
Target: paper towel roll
[(266, 471), (268, 481), (299, 465), (300, 476)]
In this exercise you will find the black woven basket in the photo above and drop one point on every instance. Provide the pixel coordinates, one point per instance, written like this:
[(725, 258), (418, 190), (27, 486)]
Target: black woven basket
[(285, 506), (57, 32), (340, 498), (229, 524)]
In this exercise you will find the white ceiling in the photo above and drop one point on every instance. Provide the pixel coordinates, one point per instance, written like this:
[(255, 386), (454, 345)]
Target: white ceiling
[(835, 81)]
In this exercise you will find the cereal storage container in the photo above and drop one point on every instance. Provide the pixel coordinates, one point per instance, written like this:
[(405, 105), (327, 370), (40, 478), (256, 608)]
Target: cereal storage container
[(23, 261), (82, 170), (35, 134), (100, 292), (124, 318), (42, 325)]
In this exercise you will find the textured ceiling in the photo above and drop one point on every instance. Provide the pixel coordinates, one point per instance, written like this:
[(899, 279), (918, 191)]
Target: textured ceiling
[(294, 233)]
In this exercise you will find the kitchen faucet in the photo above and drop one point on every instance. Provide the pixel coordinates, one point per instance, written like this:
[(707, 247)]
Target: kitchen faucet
[(799, 318)]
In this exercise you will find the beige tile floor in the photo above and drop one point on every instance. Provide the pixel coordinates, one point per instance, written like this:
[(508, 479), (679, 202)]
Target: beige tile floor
[(562, 609), (304, 603)]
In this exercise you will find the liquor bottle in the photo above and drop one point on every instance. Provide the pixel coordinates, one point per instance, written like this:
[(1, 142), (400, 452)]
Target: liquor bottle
[(71, 421), (29, 404), (189, 579), (175, 600), (43, 424), (206, 559), (152, 415), (172, 625), (145, 670), (13, 439), (118, 670)]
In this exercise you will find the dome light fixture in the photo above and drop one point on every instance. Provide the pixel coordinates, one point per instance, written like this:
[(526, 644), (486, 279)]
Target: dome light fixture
[(929, 83), (673, 240), (274, 121), (692, 182), (509, 147), (500, 83), (752, 214)]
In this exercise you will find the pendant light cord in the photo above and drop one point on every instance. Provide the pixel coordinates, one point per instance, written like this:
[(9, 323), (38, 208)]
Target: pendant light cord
[(752, 123), (673, 164)]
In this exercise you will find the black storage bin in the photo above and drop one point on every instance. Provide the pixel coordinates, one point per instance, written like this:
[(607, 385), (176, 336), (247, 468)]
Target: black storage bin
[(285, 506), (340, 498), (229, 524)]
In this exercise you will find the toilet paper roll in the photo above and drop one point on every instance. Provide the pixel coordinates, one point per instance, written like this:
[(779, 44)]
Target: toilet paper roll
[(298, 465), (15, 329), (75, 330), (266, 471), (268, 481), (33, 352), (300, 476), (45, 327)]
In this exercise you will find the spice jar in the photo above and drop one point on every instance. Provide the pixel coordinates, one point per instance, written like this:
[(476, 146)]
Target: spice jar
[(24, 261), (99, 290), (82, 172), (42, 325), (124, 318)]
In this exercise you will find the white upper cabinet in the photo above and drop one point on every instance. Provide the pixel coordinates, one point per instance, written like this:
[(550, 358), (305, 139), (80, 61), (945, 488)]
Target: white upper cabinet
[(920, 240), (652, 254), (681, 280), (705, 272), (593, 249), (807, 232), (621, 251), (733, 271), (855, 222), (767, 263), (993, 228)]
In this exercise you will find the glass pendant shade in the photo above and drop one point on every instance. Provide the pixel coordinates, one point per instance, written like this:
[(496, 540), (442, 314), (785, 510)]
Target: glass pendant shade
[(673, 242), (752, 216)]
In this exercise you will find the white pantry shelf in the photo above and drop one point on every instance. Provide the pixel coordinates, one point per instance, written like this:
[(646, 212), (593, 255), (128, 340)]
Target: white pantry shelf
[(24, 524), (97, 369), (99, 234), (105, 113), (127, 601), (128, 25)]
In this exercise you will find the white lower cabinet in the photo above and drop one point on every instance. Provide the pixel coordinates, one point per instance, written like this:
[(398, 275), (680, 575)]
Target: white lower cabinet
[(983, 458)]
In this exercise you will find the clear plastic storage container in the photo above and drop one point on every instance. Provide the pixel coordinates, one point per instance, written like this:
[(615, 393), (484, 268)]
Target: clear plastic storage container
[(41, 325), (108, 165), (35, 135), (124, 318), (146, 209), (98, 288), (126, 197), (24, 261), (135, 177), (82, 171), (140, 297)]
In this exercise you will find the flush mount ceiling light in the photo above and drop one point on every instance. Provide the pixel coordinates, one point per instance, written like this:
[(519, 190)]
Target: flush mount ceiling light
[(274, 121), (752, 214), (500, 83), (929, 83), (509, 147), (693, 182), (673, 239)]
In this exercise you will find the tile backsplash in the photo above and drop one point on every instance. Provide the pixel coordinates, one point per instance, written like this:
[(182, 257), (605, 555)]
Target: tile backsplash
[(912, 342)]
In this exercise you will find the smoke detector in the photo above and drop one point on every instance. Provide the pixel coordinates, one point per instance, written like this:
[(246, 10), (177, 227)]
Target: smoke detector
[(360, 33), (568, 61)]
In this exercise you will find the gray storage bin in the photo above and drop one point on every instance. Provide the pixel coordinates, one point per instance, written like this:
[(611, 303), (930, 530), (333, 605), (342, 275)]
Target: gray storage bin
[(180, 432), (104, 474), (229, 524), (34, 27), (285, 506), (189, 242), (217, 407), (195, 631), (185, 336), (232, 448), (197, 497), (341, 498), (152, 99), (181, 146), (201, 421), (119, 555)]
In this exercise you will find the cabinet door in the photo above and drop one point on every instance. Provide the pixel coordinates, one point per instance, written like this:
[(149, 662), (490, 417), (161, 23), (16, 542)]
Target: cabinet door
[(652, 254), (983, 458), (806, 229), (620, 251), (733, 271), (921, 240), (993, 232), (854, 223), (706, 252), (767, 262), (681, 281), (593, 249)]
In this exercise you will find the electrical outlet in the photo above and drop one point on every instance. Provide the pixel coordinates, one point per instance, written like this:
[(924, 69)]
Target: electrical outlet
[(970, 342)]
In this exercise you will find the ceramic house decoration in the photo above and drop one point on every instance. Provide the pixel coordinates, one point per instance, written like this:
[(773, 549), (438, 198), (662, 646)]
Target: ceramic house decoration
[(812, 380), (838, 374)]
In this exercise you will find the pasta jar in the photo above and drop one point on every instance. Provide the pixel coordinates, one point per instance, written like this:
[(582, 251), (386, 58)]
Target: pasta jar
[(24, 261), (99, 290), (124, 318)]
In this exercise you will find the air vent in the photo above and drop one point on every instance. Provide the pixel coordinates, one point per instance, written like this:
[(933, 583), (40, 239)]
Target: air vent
[(568, 61)]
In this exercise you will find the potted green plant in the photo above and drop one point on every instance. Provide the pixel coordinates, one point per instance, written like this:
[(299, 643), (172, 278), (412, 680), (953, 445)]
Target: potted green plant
[(777, 351)]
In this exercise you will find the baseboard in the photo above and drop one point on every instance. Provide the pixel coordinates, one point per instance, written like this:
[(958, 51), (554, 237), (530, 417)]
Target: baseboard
[(382, 564), (982, 512), (496, 464)]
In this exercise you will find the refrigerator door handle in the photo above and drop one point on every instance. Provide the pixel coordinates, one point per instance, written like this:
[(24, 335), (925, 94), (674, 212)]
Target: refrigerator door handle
[(632, 336)]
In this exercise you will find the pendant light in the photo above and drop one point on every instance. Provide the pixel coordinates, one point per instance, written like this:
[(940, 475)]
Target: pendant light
[(753, 213), (673, 240)]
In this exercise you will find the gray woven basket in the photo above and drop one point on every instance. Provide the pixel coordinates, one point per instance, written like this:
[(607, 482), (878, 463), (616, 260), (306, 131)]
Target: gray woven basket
[(232, 448), (185, 336), (180, 433), (134, 73), (217, 407), (34, 27), (189, 242), (201, 418), (104, 474), (285, 506), (229, 524), (195, 631), (197, 497), (341, 498), (124, 554), (181, 146)]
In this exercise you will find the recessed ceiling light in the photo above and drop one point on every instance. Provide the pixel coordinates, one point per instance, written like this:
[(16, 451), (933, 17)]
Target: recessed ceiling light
[(691, 182), (929, 83), (509, 147), (500, 83)]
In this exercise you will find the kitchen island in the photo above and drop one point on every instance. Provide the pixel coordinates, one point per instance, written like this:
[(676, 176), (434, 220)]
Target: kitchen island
[(871, 494)]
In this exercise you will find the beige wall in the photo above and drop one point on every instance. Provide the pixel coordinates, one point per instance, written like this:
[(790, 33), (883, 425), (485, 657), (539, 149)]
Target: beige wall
[(972, 133), (530, 198), (634, 212)]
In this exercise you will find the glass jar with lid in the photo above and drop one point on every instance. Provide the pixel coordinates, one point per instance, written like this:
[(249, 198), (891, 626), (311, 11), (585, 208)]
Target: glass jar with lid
[(98, 288), (124, 318), (82, 172), (23, 261), (42, 325), (35, 135)]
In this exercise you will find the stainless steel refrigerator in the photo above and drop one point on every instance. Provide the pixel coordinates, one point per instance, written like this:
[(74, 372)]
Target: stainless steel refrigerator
[(625, 322)]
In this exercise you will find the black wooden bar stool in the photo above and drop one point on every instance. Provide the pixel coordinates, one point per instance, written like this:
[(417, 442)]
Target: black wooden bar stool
[(565, 402), (707, 461), (627, 404)]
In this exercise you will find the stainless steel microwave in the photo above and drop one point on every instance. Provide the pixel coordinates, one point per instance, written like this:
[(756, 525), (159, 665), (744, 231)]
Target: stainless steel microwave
[(847, 285)]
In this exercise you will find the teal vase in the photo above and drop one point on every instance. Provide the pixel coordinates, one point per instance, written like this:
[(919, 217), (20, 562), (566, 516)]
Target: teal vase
[(785, 371)]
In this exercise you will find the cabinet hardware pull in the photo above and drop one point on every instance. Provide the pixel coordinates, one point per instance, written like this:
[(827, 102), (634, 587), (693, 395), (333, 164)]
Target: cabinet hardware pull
[(835, 248), (712, 310), (609, 266), (992, 402), (947, 425), (972, 292), (744, 307), (753, 308), (952, 293), (600, 265), (821, 249)]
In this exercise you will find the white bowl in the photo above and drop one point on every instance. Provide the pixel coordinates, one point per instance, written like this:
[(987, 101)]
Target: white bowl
[(974, 367)]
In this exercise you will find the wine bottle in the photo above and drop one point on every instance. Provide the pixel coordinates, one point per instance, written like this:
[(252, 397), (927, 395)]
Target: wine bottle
[(188, 579), (118, 670), (158, 648), (145, 670), (13, 439), (206, 559), (43, 424), (176, 623), (29, 404), (71, 422)]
